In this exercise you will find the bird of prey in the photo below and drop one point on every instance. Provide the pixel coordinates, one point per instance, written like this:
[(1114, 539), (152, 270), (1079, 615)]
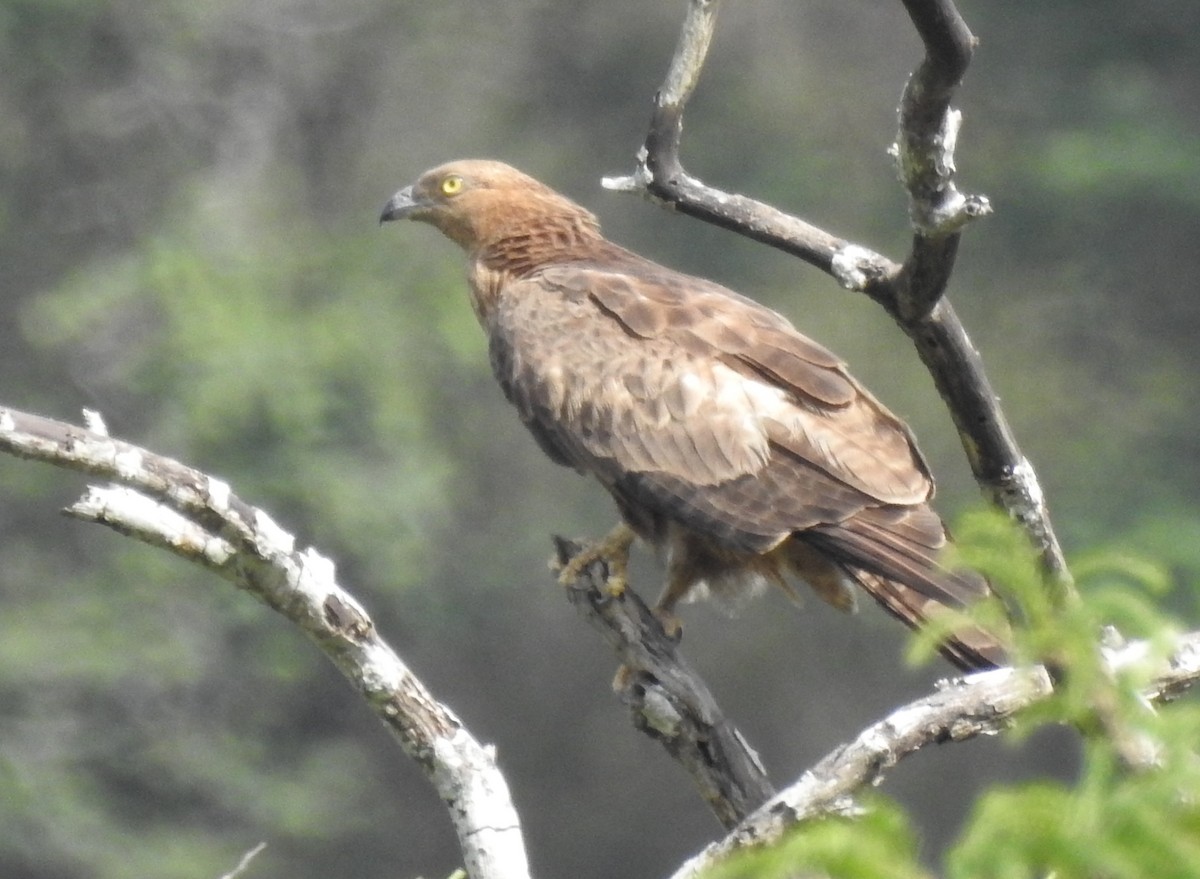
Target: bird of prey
[(742, 450)]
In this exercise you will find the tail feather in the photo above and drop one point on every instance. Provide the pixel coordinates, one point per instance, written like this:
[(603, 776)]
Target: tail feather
[(901, 544), (892, 553), (970, 648)]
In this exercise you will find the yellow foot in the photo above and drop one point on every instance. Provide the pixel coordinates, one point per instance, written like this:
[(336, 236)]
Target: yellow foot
[(613, 550)]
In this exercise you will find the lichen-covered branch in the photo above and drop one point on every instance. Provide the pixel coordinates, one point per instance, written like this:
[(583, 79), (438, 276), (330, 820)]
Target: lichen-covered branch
[(924, 152), (911, 291), (668, 700), (981, 704), (660, 174), (172, 506), (924, 148)]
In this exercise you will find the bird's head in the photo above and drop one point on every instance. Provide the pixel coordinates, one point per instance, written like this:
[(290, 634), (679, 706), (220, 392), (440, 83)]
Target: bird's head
[(478, 203)]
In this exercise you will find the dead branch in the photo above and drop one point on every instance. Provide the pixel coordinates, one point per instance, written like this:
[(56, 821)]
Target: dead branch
[(912, 291), (171, 506), (963, 708), (668, 700)]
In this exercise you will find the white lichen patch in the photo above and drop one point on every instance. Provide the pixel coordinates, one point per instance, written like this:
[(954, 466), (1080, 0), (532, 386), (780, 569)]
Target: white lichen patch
[(271, 540), (854, 267)]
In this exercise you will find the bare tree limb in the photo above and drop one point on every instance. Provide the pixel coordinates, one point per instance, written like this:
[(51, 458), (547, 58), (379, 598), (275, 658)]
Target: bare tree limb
[(672, 704), (668, 700), (244, 863), (981, 704), (912, 291), (661, 176), (169, 505), (924, 152), (924, 149)]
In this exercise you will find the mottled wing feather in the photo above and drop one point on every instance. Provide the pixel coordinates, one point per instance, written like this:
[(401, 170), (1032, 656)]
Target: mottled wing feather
[(893, 554), (822, 414), (708, 320), (752, 513), (599, 394), (697, 403)]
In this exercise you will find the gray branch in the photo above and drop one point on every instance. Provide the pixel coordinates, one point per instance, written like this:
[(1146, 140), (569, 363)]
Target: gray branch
[(166, 504), (981, 704), (668, 700), (169, 505), (912, 292)]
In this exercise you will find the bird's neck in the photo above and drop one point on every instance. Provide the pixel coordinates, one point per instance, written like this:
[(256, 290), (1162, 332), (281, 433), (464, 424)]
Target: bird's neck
[(513, 240), (525, 247), (492, 267)]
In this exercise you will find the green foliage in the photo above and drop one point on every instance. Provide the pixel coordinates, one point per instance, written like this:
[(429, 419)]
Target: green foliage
[(879, 844), (1117, 820), (1113, 822), (1115, 589), (187, 231)]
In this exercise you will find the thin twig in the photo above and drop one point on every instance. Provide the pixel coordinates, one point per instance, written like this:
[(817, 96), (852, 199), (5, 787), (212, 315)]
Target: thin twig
[(661, 176), (244, 863)]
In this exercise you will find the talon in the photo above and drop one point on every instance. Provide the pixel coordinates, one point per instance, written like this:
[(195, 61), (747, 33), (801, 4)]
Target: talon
[(613, 551), (569, 573)]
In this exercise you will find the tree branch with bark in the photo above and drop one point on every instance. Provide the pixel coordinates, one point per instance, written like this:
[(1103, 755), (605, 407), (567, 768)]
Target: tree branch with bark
[(166, 504), (197, 517), (912, 292)]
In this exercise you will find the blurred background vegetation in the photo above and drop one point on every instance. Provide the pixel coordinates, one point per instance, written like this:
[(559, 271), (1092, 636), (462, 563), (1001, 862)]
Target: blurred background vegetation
[(188, 203)]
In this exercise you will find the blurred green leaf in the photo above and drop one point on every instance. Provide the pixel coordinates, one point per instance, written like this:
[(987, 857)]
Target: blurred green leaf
[(879, 844)]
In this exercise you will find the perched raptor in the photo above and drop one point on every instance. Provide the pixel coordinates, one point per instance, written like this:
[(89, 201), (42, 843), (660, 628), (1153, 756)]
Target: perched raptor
[(741, 449)]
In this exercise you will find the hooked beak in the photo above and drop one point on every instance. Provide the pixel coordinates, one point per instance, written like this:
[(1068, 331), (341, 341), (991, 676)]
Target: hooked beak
[(400, 205)]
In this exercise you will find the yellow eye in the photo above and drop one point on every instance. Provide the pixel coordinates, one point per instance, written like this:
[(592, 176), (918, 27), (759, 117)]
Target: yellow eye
[(452, 185)]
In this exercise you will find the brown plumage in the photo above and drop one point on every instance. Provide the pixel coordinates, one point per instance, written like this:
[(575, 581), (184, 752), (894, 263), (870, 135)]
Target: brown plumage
[(729, 440)]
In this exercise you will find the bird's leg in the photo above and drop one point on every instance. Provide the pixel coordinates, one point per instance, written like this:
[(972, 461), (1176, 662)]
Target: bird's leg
[(672, 625), (664, 612), (613, 550), (678, 583)]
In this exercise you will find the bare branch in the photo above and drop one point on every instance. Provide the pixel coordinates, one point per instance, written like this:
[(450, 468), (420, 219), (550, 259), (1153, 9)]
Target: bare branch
[(912, 291), (1000, 468), (924, 148), (981, 704), (660, 174), (672, 704), (924, 152), (245, 862), (668, 699), (169, 505)]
